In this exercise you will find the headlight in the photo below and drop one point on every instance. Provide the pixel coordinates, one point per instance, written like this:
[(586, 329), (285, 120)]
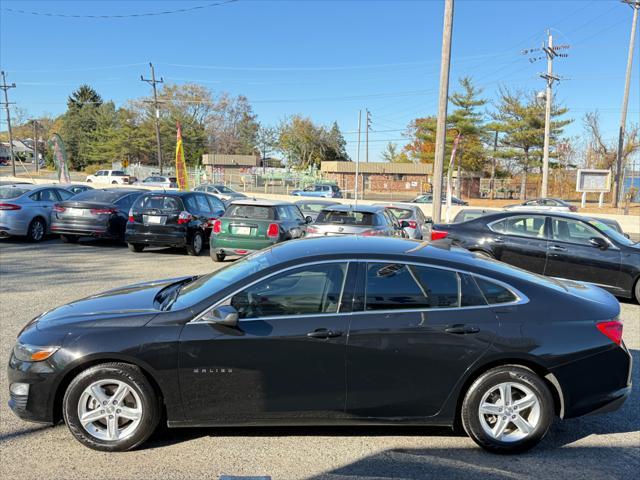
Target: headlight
[(33, 353)]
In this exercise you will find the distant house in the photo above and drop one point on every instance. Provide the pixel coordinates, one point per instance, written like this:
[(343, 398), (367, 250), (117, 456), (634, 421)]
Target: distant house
[(20, 148), (379, 176)]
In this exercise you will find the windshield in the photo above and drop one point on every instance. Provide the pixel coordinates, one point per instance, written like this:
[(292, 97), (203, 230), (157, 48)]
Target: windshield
[(163, 203), (209, 284), (223, 189), (346, 218), (611, 232), (12, 192)]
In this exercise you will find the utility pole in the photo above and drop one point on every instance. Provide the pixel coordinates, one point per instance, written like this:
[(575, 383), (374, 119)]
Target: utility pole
[(366, 154), (35, 145), (153, 83), (550, 52), (492, 183), (355, 189), (6, 104), (618, 187), (441, 128)]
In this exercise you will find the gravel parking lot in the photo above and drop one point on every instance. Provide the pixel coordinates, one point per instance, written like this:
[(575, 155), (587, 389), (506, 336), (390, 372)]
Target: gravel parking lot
[(34, 278)]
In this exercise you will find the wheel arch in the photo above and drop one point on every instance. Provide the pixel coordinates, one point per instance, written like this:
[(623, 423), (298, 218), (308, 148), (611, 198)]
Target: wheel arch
[(545, 375), (89, 362)]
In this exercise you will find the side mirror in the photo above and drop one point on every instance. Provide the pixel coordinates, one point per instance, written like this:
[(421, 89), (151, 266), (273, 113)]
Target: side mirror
[(224, 315), (308, 219), (599, 242)]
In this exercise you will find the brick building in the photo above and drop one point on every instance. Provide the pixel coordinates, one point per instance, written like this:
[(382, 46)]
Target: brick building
[(379, 176)]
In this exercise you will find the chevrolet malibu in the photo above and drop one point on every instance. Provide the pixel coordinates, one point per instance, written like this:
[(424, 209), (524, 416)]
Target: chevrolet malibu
[(328, 331)]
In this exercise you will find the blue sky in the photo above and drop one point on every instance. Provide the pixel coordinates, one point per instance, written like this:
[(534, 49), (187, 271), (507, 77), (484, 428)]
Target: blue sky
[(323, 59)]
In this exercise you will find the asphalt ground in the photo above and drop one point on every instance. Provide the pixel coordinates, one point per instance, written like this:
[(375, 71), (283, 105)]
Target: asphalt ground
[(34, 278)]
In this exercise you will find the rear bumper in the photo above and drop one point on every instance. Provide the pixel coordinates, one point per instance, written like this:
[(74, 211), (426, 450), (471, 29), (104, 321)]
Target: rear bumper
[(219, 243), (82, 230), (13, 225), (178, 239)]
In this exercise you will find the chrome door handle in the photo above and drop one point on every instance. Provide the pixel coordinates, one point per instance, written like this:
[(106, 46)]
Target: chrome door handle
[(498, 240), (462, 329), (323, 333), (557, 248)]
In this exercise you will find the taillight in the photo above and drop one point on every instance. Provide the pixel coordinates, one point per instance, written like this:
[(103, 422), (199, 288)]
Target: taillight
[(438, 234), (58, 208), (612, 329), (102, 211), (273, 231), (312, 230), (412, 224), (217, 226), (131, 219), (572, 208), (9, 206), (184, 218)]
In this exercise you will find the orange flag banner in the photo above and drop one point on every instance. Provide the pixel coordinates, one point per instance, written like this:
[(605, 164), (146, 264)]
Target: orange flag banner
[(181, 166)]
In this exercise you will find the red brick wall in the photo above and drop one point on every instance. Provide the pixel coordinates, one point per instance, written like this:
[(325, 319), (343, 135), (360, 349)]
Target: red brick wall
[(380, 183)]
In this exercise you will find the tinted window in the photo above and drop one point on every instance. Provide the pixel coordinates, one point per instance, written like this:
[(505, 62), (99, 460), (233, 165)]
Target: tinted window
[(313, 289), (285, 214), (470, 294), (393, 286), (495, 293), (191, 203), (526, 226), (251, 211), (400, 213), (118, 173), (125, 202), (203, 205), (215, 203), (163, 203), (346, 218), (295, 213), (12, 192), (47, 195)]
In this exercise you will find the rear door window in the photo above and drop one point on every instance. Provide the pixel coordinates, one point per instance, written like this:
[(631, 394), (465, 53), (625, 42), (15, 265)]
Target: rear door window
[(215, 203), (346, 218), (524, 226), (572, 231), (203, 205), (396, 286), (191, 203)]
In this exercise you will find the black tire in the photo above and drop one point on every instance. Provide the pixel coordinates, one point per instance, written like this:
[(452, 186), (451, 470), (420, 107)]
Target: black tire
[(218, 257), (69, 238), (136, 247), (114, 183), (637, 290), (518, 377), (89, 181), (136, 382), (196, 244), (37, 230)]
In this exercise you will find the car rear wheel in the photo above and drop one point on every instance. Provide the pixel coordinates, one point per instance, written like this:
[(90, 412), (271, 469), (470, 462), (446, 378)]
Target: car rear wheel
[(69, 238), (197, 242), (637, 290), (111, 407), (114, 183), (36, 230), (508, 409), (135, 247)]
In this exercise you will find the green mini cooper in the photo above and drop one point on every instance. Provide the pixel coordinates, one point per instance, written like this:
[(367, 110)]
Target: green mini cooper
[(253, 224)]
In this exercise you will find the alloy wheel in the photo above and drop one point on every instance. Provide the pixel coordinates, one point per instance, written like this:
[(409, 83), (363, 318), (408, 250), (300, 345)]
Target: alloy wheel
[(37, 230), (509, 412), (110, 410), (197, 243)]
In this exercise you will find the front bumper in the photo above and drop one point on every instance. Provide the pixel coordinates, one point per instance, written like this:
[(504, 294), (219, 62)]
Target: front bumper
[(38, 404)]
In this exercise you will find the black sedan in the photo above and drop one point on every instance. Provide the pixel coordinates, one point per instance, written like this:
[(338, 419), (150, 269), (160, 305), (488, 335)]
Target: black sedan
[(559, 245), (330, 331), (100, 213)]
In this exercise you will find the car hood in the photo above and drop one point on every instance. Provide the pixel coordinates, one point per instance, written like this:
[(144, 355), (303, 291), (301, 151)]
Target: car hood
[(132, 305)]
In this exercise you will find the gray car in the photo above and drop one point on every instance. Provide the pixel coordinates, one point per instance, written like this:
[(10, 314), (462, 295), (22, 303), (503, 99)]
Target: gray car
[(416, 224), (311, 207), (25, 209), (368, 220), (159, 181), (224, 193)]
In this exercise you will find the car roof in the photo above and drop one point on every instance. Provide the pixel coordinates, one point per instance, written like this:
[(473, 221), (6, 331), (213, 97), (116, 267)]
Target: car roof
[(175, 193), (261, 202), (406, 206), (352, 208), (35, 186)]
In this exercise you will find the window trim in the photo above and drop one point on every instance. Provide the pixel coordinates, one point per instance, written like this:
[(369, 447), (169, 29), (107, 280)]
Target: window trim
[(521, 298), (544, 217)]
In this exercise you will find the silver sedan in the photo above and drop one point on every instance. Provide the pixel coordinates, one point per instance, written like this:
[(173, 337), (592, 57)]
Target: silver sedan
[(25, 209)]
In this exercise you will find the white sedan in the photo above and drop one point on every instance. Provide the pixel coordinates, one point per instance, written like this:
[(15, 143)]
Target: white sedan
[(544, 205)]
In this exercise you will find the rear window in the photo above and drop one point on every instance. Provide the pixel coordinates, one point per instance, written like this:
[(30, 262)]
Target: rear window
[(466, 216), (401, 213), (163, 203), (259, 212), (346, 218), (99, 196), (12, 192)]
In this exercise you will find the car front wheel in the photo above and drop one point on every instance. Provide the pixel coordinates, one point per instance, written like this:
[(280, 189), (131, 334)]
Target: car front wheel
[(508, 409), (111, 407), (136, 247)]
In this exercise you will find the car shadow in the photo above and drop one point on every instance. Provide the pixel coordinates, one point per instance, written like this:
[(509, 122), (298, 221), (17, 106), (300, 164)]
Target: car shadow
[(561, 434)]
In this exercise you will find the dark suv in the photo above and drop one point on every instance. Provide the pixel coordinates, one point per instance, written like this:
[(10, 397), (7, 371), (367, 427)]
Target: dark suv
[(172, 219)]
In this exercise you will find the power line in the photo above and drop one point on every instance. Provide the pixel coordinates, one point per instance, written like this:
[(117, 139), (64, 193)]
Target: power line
[(130, 15)]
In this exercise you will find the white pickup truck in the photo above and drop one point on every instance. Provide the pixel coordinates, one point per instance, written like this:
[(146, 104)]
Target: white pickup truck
[(109, 176)]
